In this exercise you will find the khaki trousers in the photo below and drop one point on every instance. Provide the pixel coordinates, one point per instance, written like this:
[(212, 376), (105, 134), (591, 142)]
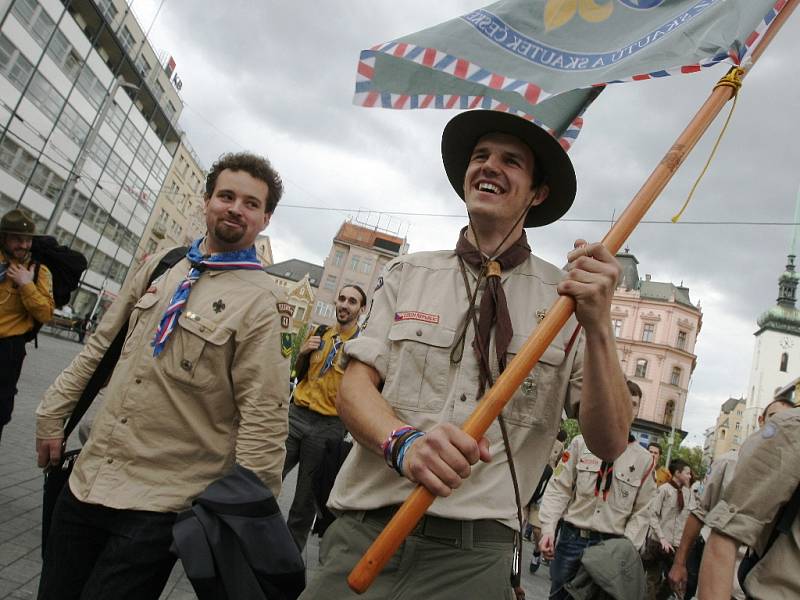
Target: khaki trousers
[(423, 568)]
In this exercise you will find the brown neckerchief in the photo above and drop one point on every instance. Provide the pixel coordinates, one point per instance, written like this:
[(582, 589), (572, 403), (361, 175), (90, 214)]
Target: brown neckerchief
[(680, 493), (493, 308)]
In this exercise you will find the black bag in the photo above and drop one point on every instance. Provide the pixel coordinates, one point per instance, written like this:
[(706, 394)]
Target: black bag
[(56, 476), (65, 265), (323, 478), (302, 363)]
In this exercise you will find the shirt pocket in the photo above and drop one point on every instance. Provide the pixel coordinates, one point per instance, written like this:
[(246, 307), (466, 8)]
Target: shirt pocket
[(538, 398), (587, 470), (197, 352), (135, 333), (626, 487), (419, 365)]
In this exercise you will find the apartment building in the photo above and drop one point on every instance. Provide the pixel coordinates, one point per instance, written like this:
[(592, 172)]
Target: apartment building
[(88, 129)]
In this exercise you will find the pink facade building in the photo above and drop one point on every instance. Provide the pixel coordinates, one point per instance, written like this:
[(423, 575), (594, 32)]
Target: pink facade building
[(656, 326)]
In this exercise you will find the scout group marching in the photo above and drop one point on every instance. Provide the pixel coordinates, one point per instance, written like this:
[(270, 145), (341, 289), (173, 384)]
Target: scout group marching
[(197, 420)]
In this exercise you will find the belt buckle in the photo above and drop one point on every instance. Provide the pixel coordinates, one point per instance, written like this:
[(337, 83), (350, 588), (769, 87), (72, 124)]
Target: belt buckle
[(585, 534)]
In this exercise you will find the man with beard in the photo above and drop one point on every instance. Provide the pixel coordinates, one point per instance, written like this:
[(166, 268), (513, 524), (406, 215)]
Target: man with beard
[(21, 301), (442, 326), (312, 416), (201, 384)]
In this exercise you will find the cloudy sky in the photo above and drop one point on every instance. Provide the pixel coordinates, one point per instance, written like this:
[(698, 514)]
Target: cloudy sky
[(277, 78)]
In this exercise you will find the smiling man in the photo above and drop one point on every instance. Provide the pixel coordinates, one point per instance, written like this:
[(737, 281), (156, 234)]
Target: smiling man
[(312, 416), (442, 326), (201, 384)]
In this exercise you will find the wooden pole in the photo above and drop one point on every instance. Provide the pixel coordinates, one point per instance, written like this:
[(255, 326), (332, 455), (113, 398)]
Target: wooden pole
[(495, 399)]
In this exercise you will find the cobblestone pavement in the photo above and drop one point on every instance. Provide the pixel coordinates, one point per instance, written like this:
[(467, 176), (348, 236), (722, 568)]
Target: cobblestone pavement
[(21, 493)]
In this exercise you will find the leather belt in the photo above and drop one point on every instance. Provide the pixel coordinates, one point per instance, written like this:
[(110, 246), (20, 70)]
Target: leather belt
[(589, 534), (462, 534)]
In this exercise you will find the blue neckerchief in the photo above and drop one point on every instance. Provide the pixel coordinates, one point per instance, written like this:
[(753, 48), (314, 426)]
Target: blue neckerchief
[(337, 344), (223, 261)]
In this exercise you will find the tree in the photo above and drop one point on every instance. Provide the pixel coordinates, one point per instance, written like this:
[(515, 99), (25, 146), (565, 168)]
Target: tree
[(297, 341), (692, 455), (572, 428)]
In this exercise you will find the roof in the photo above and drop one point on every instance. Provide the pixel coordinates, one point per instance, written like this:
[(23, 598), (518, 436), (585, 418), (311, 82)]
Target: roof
[(295, 269), (666, 292), (374, 239), (730, 404)]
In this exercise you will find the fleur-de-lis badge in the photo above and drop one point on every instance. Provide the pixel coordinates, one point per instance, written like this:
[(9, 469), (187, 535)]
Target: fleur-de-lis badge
[(528, 387), (558, 13), (541, 314), (218, 306)]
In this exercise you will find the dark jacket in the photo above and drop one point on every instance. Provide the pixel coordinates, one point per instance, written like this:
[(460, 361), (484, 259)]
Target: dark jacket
[(234, 543)]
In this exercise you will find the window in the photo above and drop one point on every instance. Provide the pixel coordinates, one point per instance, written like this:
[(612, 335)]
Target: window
[(738, 426), (100, 151), (126, 38), (354, 262), (299, 313), (681, 342), (91, 87), (73, 125), (108, 9), (648, 332), (669, 412), (44, 96), (48, 183), (169, 109), (675, 378), (33, 17), (330, 282), (338, 258), (130, 135), (16, 160), (641, 368), (64, 55), (143, 66), (784, 362), (158, 89), (13, 65), (366, 267), (722, 434), (115, 117), (617, 324), (324, 309)]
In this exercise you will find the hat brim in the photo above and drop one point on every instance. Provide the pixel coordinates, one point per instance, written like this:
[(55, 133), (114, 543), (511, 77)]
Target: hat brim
[(465, 129), (11, 232)]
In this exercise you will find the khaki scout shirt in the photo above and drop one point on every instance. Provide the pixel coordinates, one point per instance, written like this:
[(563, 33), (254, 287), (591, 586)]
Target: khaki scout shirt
[(318, 392), (419, 308), (767, 474), (19, 306), (718, 478), (171, 425), (666, 519), (571, 494)]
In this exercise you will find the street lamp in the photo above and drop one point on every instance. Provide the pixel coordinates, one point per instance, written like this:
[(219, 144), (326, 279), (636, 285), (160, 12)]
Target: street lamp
[(77, 166)]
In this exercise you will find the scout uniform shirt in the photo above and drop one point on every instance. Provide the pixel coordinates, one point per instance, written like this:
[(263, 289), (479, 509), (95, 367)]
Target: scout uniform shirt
[(578, 493), (411, 338), (666, 518), (317, 391), (767, 474), (170, 425), (19, 306), (718, 478)]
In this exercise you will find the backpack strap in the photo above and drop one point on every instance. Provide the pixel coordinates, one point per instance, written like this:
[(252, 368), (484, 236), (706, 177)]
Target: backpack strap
[(109, 360), (302, 363)]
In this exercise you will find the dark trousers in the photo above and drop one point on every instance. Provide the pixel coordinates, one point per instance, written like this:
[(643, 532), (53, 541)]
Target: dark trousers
[(308, 431), (12, 353), (99, 553), (567, 560)]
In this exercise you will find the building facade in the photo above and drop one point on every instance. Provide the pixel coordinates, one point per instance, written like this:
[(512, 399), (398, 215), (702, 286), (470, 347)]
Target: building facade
[(730, 429), (656, 327), (177, 218), (358, 255), (264, 250), (88, 116), (300, 280), (776, 352)]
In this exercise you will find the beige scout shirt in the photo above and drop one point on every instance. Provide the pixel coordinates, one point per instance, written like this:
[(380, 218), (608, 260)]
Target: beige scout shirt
[(666, 518), (571, 494), (717, 479), (418, 311), (767, 474), (171, 425)]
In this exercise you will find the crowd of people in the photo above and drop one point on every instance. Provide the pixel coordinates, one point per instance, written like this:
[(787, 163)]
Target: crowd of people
[(202, 384)]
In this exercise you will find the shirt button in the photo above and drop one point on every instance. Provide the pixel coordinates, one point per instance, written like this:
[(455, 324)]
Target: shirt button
[(109, 460), (186, 365), (124, 420), (138, 380), (419, 332), (463, 398)]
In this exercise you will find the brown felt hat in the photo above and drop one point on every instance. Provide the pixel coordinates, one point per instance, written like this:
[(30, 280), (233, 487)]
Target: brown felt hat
[(465, 129), (18, 223)]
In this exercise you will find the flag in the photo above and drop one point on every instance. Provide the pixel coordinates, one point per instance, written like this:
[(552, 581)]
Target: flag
[(548, 59)]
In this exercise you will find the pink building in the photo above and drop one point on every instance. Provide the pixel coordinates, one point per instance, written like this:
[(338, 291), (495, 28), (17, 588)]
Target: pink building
[(656, 326)]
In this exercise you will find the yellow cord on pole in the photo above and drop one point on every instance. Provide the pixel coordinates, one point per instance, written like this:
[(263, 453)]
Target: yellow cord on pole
[(733, 79)]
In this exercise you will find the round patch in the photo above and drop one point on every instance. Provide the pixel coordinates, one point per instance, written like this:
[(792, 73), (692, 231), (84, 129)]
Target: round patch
[(769, 430)]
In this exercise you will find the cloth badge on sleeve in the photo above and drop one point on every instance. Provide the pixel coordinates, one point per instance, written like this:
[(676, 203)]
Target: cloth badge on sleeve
[(287, 341), (413, 315), (285, 308), (769, 431)]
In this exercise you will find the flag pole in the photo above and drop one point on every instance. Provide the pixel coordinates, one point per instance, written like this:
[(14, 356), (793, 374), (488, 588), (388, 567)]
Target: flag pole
[(495, 399)]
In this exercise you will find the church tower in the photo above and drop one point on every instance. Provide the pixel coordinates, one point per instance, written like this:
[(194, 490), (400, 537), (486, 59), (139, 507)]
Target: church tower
[(776, 355)]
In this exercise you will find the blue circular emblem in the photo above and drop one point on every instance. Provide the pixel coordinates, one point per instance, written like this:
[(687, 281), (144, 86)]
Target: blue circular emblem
[(642, 4)]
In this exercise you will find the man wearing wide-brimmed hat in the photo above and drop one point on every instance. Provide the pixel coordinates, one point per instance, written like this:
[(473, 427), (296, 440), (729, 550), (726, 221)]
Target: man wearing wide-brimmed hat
[(443, 325), (21, 301)]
